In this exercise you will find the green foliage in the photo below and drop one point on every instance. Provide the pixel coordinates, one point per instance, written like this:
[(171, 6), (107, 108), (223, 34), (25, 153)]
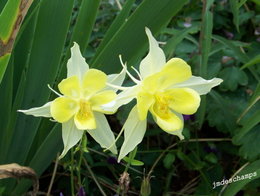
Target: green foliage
[(232, 77), (217, 38)]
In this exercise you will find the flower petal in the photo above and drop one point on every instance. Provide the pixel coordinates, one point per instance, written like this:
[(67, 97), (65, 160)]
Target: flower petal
[(154, 60), (63, 108), (43, 111), (102, 98), (199, 84), (122, 98), (178, 132), (183, 100), (144, 102), (84, 119), (174, 71), (93, 81), (168, 122), (77, 65), (103, 134), (116, 79), (70, 87), (70, 136), (134, 131)]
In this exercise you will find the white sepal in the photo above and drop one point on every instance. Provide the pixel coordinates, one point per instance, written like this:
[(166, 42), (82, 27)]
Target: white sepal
[(103, 134), (154, 60), (76, 64), (199, 84), (134, 131), (70, 136), (116, 79), (122, 98), (43, 111)]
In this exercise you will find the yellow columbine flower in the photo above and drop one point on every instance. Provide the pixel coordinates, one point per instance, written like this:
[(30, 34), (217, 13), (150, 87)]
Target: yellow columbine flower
[(81, 98), (157, 95), (81, 105), (166, 89)]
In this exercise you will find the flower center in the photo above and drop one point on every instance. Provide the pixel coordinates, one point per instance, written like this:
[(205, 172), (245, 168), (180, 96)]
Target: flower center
[(85, 110), (162, 105)]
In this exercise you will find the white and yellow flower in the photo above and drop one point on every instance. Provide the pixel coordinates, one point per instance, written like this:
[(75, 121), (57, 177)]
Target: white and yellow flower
[(166, 89), (79, 107)]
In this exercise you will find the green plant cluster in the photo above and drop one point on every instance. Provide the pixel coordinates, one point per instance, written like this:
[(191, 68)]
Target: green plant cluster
[(218, 38)]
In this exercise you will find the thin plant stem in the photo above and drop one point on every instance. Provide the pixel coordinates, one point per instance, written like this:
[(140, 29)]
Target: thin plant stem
[(80, 159), (247, 109), (94, 178), (119, 5), (71, 173), (53, 175), (191, 140)]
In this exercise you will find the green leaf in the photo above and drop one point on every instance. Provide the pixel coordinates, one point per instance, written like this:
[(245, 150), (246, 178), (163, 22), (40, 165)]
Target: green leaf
[(85, 22), (242, 57), (168, 160), (250, 144), (129, 40), (43, 63), (133, 162), (234, 5), (247, 125), (117, 23), (221, 113), (177, 38), (205, 47), (3, 64), (232, 77), (6, 98), (45, 153), (8, 18), (11, 19), (235, 187), (253, 61)]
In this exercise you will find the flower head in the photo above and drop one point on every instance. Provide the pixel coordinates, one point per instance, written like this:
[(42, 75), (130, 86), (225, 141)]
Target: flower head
[(81, 97), (166, 89), (80, 106)]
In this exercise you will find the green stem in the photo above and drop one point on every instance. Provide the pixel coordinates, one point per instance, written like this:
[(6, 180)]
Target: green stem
[(71, 173), (81, 150), (94, 178)]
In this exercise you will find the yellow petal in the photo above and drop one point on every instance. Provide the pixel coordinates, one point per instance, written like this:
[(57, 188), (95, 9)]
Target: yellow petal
[(166, 121), (151, 83), (63, 108), (70, 87), (144, 102), (93, 81), (84, 119), (102, 98), (174, 71), (183, 100)]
